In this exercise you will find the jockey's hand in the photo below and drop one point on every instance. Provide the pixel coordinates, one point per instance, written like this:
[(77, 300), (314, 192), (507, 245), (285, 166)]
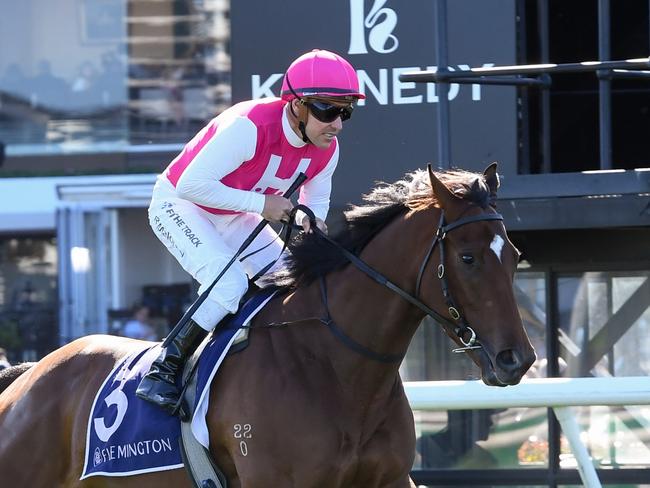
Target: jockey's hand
[(306, 225), (276, 208)]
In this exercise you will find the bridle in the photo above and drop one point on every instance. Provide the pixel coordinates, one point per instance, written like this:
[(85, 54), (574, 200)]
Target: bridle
[(456, 325), (460, 327)]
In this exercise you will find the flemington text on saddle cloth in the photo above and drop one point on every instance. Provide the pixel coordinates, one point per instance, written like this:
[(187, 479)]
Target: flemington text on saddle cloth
[(127, 436)]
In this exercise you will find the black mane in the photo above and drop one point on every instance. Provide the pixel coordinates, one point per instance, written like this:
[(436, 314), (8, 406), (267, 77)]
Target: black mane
[(312, 257)]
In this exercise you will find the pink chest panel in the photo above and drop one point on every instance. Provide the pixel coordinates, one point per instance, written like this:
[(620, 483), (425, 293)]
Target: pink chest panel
[(275, 164)]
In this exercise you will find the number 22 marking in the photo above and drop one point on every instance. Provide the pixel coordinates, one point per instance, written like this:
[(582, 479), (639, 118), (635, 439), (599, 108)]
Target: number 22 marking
[(243, 431)]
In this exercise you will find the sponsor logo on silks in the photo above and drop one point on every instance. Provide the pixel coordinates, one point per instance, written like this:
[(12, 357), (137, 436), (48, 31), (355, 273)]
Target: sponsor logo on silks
[(196, 242), (275, 184), (166, 235), (176, 218)]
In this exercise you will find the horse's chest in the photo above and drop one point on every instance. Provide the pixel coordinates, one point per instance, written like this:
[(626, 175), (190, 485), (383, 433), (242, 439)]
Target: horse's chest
[(366, 464), (304, 429), (316, 447), (367, 452)]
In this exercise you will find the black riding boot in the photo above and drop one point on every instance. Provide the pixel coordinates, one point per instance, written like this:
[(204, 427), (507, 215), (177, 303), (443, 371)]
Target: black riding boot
[(159, 385)]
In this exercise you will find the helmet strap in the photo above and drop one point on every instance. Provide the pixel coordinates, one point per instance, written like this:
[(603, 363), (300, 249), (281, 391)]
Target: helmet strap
[(302, 115), (301, 127)]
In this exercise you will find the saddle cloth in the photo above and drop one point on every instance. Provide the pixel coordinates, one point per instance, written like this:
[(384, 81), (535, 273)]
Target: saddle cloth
[(128, 436)]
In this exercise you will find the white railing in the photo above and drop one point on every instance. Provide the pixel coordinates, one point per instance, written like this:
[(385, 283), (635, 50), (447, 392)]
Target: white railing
[(557, 393)]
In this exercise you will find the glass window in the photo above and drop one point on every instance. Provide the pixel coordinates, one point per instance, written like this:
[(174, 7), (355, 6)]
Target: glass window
[(99, 75), (480, 439), (604, 321), (28, 297), (530, 292), (430, 358)]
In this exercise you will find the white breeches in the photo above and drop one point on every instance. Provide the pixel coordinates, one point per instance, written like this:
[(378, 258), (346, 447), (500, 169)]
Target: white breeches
[(203, 243)]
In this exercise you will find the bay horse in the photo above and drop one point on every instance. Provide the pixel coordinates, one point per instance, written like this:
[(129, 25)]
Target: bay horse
[(321, 395)]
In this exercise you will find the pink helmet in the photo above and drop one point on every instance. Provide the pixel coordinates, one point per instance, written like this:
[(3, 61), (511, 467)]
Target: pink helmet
[(323, 73)]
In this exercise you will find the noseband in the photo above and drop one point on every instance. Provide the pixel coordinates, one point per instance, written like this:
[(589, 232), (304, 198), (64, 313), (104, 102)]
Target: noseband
[(458, 326)]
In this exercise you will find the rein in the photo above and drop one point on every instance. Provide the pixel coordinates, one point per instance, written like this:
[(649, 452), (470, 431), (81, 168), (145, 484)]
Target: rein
[(458, 325)]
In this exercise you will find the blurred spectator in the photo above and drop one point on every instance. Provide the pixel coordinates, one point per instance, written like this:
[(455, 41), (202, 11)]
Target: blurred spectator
[(84, 86), (139, 327), (14, 81), (111, 81), (175, 95), (50, 91), (4, 363)]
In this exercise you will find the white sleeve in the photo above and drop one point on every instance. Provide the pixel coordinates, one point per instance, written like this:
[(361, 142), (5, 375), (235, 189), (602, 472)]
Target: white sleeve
[(233, 143), (316, 192)]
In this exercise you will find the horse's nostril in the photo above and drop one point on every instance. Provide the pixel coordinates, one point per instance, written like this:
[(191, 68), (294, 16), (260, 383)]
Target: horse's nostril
[(508, 360)]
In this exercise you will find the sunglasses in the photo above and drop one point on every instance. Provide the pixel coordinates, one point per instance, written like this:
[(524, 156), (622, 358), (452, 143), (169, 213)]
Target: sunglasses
[(327, 113)]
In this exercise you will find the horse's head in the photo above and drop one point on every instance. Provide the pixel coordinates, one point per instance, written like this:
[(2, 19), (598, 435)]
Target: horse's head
[(479, 266)]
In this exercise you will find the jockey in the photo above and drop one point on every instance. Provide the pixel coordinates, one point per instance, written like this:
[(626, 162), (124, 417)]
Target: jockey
[(229, 177)]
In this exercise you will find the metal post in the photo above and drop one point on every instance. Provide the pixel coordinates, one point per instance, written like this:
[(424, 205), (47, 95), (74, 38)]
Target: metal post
[(480, 74), (572, 432), (611, 428), (604, 87), (444, 145), (543, 23), (552, 344), (101, 281), (524, 151), (64, 271), (79, 278)]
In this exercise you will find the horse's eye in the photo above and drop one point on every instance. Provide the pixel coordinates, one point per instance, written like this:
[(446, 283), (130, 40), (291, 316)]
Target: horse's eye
[(467, 258)]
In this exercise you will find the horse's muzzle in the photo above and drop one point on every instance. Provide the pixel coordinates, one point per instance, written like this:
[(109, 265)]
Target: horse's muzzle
[(508, 367)]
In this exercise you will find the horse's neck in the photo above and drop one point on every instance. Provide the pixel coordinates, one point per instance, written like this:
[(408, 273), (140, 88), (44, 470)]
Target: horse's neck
[(369, 313)]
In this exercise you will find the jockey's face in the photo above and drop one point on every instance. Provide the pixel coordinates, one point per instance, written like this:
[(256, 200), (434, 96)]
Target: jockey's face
[(321, 133)]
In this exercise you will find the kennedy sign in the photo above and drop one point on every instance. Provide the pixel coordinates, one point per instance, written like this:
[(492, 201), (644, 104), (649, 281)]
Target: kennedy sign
[(394, 129)]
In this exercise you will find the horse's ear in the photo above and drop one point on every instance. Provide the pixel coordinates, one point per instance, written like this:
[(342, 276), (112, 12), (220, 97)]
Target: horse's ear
[(443, 194), (492, 179)]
